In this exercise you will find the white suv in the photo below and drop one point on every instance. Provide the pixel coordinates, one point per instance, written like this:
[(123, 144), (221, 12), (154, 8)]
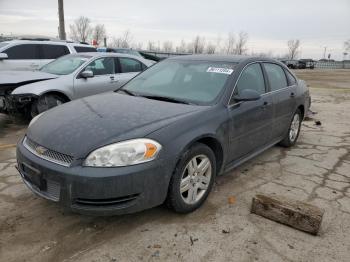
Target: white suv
[(33, 54)]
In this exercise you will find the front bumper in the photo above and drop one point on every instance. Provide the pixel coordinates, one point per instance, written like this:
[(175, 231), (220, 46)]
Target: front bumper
[(15, 103), (95, 191)]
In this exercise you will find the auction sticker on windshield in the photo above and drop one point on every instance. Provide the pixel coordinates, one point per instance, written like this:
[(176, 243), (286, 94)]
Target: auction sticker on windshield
[(220, 70)]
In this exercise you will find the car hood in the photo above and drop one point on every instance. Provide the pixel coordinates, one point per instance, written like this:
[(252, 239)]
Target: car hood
[(23, 77), (80, 126)]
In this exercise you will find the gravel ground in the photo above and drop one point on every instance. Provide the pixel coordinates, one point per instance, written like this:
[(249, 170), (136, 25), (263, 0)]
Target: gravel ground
[(316, 170)]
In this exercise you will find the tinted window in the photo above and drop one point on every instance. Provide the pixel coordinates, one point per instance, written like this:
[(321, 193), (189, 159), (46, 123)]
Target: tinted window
[(276, 76), (251, 78), (82, 49), (291, 78), (53, 51), (128, 65), (26, 51), (102, 66)]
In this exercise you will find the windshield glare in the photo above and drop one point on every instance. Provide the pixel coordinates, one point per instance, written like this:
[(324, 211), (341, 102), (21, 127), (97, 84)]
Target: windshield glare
[(64, 65), (197, 82), (3, 45)]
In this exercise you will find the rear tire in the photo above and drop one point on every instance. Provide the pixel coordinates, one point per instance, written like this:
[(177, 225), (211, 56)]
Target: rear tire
[(293, 131), (45, 103), (192, 180)]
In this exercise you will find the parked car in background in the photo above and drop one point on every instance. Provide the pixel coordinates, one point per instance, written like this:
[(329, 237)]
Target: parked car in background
[(130, 51), (164, 136), (33, 54), (300, 64), (67, 78)]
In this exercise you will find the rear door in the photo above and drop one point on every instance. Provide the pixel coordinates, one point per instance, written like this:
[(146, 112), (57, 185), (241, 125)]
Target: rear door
[(127, 69), (102, 81), (49, 52), (283, 91), (250, 121), (21, 57)]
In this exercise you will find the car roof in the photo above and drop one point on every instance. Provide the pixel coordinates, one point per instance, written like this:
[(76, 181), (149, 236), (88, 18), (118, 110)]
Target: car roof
[(221, 58), (104, 54), (54, 42)]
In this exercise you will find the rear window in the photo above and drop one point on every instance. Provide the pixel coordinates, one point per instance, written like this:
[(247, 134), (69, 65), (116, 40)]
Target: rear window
[(83, 49), (291, 78), (53, 51), (276, 76), (128, 65), (26, 51)]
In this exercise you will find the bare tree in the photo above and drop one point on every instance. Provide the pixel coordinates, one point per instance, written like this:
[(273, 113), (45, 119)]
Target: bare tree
[(241, 43), (198, 45), (210, 48), (347, 45), (81, 29), (151, 46), (168, 46), (182, 47), (99, 33), (138, 46), (293, 48), (229, 47), (123, 41)]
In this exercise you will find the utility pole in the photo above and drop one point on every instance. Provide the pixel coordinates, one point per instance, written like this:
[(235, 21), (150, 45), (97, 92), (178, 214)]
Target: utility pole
[(61, 30), (324, 53)]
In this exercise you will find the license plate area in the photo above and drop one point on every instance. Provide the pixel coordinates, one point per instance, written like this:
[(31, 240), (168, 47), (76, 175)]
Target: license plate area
[(33, 176)]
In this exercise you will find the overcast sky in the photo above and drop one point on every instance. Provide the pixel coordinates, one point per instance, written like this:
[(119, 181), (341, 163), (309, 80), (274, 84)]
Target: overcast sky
[(269, 23)]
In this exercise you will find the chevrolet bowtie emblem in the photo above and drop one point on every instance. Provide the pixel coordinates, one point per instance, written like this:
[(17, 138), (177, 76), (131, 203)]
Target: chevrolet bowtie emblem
[(40, 150)]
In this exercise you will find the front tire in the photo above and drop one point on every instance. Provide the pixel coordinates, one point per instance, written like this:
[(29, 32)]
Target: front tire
[(45, 103), (293, 131), (192, 180)]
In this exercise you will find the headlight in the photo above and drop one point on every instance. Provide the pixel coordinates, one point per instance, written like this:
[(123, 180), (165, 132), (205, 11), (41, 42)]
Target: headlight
[(34, 119), (125, 153)]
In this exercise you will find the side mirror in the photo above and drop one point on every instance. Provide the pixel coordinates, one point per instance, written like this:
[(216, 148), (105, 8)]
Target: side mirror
[(3, 56), (247, 95), (87, 74)]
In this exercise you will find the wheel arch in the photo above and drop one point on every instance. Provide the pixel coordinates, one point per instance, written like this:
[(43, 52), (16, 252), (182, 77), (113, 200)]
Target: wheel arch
[(56, 92), (214, 144)]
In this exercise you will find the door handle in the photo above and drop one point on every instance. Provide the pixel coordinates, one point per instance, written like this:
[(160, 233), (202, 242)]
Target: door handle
[(292, 94), (113, 79), (264, 105)]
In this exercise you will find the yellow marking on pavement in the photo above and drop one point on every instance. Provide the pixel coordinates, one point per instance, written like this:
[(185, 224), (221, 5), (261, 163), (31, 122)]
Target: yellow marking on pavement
[(6, 146)]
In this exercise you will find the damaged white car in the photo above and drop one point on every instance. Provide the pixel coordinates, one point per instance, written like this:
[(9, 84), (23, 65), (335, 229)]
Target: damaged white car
[(67, 78)]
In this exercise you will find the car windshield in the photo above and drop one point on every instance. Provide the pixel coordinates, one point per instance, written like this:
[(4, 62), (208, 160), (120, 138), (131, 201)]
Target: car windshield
[(197, 82), (65, 65), (3, 44)]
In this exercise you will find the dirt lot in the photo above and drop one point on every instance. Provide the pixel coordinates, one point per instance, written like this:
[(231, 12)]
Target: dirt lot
[(316, 170)]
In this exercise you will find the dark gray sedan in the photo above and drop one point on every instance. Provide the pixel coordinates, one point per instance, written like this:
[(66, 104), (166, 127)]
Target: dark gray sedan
[(164, 136)]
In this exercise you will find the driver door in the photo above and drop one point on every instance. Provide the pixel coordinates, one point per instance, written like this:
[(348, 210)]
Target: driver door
[(102, 81), (250, 121)]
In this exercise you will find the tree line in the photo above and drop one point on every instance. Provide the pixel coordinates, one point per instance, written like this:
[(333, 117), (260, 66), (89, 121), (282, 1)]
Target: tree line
[(82, 30)]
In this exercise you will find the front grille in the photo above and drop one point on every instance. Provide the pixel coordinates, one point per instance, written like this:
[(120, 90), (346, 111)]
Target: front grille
[(47, 154)]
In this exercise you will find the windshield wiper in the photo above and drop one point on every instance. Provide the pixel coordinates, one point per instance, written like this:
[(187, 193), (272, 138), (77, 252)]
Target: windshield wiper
[(126, 91), (167, 99)]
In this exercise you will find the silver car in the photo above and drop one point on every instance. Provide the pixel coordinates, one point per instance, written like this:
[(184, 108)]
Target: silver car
[(67, 78)]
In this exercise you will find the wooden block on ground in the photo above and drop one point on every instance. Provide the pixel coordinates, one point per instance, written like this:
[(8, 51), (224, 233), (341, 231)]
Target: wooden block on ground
[(293, 213)]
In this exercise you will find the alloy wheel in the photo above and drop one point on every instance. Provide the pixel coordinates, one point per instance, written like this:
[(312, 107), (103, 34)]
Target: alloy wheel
[(294, 128), (195, 179)]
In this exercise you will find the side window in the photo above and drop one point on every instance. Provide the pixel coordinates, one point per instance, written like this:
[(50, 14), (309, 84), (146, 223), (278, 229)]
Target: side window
[(291, 78), (102, 66), (276, 75), (251, 78), (26, 51), (83, 49), (128, 65), (53, 51)]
